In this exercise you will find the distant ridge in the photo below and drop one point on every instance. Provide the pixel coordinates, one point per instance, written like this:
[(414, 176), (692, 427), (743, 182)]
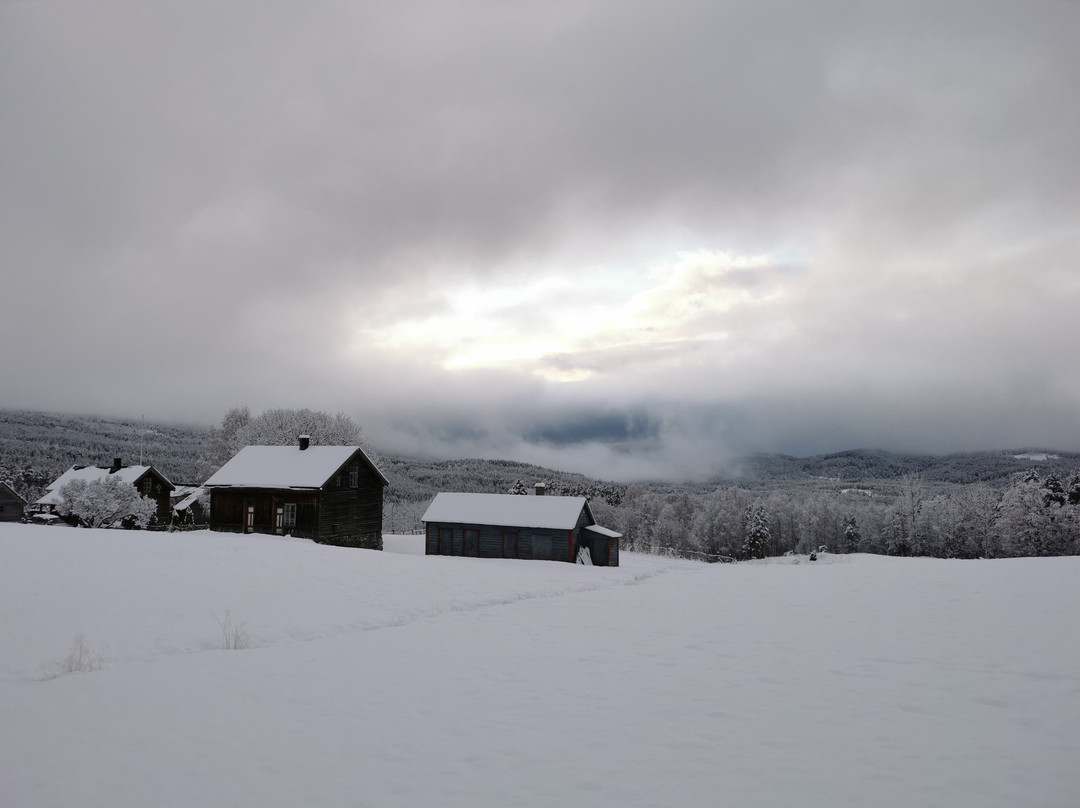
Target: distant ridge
[(35, 447), (867, 465)]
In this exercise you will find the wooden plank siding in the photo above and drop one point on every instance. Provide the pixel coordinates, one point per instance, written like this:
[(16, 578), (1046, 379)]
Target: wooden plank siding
[(351, 516), (532, 543), (11, 504), (544, 544)]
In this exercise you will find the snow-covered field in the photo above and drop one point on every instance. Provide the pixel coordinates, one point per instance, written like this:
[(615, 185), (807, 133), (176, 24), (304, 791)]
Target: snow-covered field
[(395, 679)]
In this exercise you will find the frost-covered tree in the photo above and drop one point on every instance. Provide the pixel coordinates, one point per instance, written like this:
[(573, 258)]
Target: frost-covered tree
[(518, 489), (281, 427), (851, 538), (223, 441), (278, 427), (108, 501), (757, 536), (1031, 523), (1053, 491)]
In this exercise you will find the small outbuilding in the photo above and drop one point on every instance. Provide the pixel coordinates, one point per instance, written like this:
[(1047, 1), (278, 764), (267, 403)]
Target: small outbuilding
[(515, 526), (12, 504), (330, 494), (190, 506), (147, 480)]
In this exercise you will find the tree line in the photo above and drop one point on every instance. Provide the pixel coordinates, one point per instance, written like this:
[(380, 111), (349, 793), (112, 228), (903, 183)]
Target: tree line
[(1034, 515)]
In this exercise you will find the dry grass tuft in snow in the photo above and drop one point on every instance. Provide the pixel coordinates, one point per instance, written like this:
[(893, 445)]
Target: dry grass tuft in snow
[(233, 637), (82, 658)]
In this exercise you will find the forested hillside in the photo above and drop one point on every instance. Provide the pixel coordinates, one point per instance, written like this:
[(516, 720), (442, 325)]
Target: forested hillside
[(865, 466), (36, 447), (1018, 502)]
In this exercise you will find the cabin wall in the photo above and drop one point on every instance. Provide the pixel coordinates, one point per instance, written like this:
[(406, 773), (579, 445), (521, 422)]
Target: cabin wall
[(604, 550), (159, 491), (352, 516), (228, 507), (11, 507), (499, 541)]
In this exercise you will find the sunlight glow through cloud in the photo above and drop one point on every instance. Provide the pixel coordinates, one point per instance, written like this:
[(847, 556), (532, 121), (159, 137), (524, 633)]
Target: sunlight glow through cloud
[(541, 326)]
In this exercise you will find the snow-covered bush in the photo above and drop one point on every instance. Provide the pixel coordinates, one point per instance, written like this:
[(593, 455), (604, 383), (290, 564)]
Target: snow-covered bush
[(82, 658), (107, 502)]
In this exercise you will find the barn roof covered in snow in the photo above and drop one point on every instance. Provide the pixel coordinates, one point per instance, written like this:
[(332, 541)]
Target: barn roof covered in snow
[(287, 467), (559, 513)]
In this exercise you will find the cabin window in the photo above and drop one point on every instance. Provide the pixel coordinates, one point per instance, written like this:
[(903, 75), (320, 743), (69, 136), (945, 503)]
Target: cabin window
[(337, 481), (289, 517), (146, 486), (354, 477)]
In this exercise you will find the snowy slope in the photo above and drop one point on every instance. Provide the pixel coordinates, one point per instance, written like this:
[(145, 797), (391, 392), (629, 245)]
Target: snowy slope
[(396, 679)]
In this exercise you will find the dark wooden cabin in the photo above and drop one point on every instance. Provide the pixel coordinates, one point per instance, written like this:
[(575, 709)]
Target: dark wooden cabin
[(330, 494), (148, 480), (11, 504), (514, 526)]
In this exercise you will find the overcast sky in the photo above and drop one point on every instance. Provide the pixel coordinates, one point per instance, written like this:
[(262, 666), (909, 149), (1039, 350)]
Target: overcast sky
[(622, 238)]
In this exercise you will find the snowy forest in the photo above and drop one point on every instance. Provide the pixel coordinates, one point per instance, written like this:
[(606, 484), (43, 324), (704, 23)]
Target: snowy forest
[(978, 505)]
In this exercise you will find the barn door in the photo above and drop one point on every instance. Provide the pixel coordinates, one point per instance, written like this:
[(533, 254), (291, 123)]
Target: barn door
[(446, 541), (541, 548), (472, 542), (509, 543)]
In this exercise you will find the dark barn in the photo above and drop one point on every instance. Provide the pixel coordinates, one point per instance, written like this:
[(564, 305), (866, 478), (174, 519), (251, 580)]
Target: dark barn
[(11, 504), (513, 526), (330, 494)]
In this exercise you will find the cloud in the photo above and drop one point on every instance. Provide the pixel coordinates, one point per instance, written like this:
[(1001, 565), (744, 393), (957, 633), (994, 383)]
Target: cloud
[(753, 225)]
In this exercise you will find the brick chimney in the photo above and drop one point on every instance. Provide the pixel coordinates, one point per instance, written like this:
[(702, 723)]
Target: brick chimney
[(305, 441), (116, 465)]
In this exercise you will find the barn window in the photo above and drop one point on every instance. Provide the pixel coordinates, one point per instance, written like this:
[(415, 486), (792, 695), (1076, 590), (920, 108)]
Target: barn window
[(354, 477), (289, 517)]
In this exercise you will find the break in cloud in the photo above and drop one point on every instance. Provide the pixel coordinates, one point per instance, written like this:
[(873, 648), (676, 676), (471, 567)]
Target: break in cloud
[(626, 239)]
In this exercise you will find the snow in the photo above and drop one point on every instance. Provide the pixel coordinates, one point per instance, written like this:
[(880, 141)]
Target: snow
[(398, 679), (283, 466), (1039, 456), (557, 513)]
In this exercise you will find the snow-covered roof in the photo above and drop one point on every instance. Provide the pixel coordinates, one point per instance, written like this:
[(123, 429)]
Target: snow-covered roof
[(286, 466), (603, 531), (129, 474), (193, 495), (559, 513), (182, 491)]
